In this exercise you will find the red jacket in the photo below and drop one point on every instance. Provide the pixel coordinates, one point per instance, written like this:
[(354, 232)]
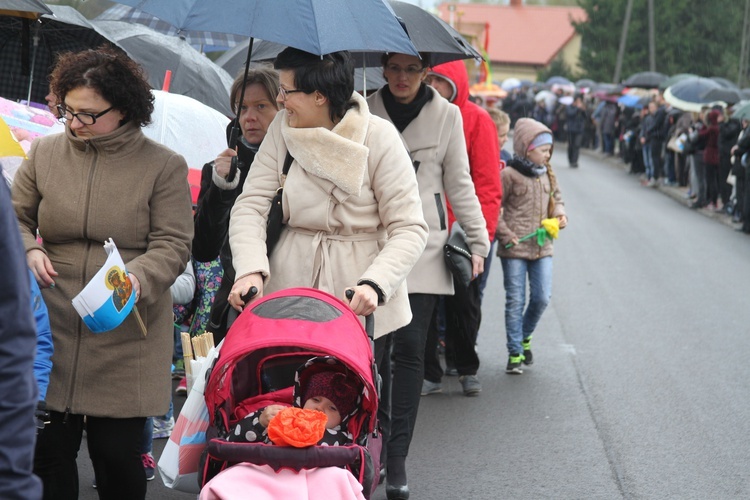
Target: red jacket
[(481, 145)]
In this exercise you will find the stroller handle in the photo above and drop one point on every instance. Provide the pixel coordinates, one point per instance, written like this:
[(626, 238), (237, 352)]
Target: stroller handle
[(369, 319)]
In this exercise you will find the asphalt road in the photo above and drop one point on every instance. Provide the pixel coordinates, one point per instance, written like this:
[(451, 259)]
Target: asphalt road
[(640, 384)]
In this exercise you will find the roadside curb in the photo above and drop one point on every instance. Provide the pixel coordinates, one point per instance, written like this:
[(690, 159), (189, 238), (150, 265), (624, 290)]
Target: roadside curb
[(679, 194)]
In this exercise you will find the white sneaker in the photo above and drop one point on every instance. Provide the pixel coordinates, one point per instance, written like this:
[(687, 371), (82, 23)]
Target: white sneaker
[(431, 387), (163, 428)]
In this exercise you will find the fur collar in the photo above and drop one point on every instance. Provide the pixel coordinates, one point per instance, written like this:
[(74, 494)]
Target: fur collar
[(337, 155)]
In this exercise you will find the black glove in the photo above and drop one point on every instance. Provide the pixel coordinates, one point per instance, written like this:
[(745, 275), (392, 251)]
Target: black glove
[(42, 416)]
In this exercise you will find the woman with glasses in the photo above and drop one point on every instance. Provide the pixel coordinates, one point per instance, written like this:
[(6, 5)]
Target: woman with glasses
[(432, 131), (103, 179), (352, 215), (219, 190)]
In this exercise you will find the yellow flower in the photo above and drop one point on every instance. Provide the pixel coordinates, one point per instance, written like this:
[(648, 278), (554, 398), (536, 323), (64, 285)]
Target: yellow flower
[(552, 226)]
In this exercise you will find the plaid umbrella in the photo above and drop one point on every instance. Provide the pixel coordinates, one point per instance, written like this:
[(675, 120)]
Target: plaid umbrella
[(207, 40), (30, 9), (27, 45)]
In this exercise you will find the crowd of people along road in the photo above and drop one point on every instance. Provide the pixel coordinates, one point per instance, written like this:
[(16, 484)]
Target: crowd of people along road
[(699, 150), (372, 218)]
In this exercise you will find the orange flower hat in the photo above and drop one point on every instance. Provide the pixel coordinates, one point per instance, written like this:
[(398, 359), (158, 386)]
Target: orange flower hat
[(297, 427)]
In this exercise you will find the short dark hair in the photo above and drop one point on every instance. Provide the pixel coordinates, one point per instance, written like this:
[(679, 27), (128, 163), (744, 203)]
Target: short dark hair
[(331, 74), (262, 74), (426, 58), (112, 74)]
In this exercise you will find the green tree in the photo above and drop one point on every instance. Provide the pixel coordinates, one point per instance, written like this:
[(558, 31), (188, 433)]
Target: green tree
[(691, 36), (556, 68)]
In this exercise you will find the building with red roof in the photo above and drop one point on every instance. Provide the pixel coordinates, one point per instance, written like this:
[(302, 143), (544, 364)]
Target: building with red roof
[(523, 39)]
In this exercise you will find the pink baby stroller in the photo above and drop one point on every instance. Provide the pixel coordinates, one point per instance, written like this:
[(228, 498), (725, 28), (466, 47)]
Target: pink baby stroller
[(256, 367)]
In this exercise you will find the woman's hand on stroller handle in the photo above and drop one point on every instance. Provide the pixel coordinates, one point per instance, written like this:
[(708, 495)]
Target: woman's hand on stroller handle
[(246, 289), (363, 299)]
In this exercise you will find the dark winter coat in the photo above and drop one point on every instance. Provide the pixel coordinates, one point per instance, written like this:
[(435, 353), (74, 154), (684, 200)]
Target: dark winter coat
[(711, 135), (211, 223)]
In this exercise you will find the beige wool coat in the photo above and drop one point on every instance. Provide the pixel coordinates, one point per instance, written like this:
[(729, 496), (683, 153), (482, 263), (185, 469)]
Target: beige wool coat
[(351, 210), (435, 139), (78, 193)]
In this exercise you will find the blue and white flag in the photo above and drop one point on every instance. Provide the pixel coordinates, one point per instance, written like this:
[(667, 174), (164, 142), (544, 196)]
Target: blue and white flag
[(109, 297)]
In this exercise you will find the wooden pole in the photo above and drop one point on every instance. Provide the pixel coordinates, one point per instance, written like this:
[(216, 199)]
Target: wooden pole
[(623, 40)]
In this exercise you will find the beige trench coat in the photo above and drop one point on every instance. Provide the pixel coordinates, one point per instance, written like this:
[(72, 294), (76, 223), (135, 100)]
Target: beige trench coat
[(435, 139), (351, 208)]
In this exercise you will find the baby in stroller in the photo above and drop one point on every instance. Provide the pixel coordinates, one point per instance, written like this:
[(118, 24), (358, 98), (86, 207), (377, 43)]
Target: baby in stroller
[(293, 349), (331, 392), (323, 385)]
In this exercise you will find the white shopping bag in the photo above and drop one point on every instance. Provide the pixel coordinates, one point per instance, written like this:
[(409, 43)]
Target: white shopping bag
[(178, 464)]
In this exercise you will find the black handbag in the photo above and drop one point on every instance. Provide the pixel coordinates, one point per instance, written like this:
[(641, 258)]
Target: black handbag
[(458, 255), (276, 215)]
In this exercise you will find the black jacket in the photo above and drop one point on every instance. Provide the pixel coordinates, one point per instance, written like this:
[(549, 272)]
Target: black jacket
[(211, 238)]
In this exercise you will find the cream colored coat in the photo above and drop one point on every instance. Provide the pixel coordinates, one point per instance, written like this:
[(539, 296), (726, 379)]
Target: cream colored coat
[(435, 139), (351, 211)]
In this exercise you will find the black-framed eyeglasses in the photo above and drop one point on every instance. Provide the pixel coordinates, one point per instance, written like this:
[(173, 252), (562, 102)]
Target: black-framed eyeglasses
[(284, 92), (395, 69), (84, 118)]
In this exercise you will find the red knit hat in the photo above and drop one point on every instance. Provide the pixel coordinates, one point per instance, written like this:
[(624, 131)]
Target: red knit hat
[(335, 386)]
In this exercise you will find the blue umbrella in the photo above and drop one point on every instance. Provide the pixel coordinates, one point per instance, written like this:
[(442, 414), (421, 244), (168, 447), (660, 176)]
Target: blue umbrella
[(315, 26), (688, 94), (206, 40), (727, 84), (633, 101), (559, 80)]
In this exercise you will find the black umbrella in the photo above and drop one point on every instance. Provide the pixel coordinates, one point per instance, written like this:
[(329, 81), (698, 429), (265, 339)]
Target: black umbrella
[(674, 79), (688, 94), (28, 49), (645, 79), (430, 34), (745, 93), (193, 74), (729, 96)]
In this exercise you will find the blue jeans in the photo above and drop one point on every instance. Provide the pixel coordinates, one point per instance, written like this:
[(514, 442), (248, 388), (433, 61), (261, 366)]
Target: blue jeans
[(520, 324), (648, 161), (147, 439)]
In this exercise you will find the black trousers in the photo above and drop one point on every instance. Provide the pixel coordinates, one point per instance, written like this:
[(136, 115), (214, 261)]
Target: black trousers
[(114, 447), (574, 147), (657, 147), (402, 380), (463, 314)]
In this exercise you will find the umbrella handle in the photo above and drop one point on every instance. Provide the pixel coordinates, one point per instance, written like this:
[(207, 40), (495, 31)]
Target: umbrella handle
[(234, 135)]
